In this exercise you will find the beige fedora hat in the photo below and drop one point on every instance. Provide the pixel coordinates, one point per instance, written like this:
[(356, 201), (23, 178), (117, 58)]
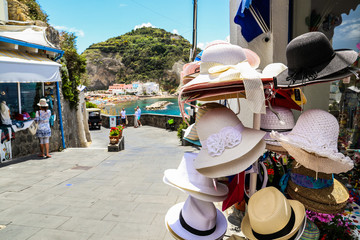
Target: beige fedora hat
[(187, 178), (196, 220), (226, 142), (313, 142), (271, 216)]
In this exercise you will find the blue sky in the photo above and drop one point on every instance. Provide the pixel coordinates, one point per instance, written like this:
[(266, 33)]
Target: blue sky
[(95, 21)]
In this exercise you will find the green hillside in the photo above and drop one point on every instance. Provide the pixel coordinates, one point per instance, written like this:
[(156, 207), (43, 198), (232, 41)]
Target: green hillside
[(146, 54)]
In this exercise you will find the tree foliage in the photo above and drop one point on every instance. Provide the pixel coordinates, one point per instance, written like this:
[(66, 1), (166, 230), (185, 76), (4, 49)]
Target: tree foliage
[(74, 66), (35, 11), (146, 54)]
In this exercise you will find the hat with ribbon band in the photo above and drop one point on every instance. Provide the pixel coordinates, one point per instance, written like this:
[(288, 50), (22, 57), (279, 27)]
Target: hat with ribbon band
[(311, 59), (195, 219)]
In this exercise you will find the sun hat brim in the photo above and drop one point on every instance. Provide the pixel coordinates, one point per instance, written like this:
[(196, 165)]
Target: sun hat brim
[(334, 69), (178, 180), (250, 139), (310, 156), (197, 195), (299, 211), (172, 222), (271, 141), (45, 105), (335, 194), (316, 206), (234, 166)]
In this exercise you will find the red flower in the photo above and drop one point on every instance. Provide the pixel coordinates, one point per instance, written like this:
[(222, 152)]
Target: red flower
[(270, 171)]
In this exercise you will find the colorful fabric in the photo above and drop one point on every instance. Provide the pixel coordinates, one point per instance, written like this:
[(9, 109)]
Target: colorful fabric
[(310, 182), (43, 118)]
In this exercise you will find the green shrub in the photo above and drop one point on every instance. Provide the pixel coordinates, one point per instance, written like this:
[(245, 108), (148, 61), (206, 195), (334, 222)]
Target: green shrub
[(91, 105), (182, 126)]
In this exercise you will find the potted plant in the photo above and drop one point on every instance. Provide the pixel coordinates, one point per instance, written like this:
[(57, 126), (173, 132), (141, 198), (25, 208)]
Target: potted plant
[(114, 135)]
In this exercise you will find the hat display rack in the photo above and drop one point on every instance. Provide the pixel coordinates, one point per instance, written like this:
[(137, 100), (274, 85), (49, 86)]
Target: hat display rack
[(226, 72)]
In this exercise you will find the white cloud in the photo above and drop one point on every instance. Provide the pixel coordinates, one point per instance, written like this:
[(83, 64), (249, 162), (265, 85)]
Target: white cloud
[(78, 32), (201, 45), (144, 25), (123, 5), (175, 31), (351, 30)]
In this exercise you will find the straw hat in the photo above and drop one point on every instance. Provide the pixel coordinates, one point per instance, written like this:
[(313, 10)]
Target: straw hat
[(227, 146), (270, 215), (313, 142), (311, 231), (195, 219), (187, 178), (281, 120), (316, 206), (190, 132), (42, 102), (311, 59)]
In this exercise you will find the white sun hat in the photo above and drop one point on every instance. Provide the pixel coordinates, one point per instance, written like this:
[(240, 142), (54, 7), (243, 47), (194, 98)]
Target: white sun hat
[(271, 216), (282, 120), (313, 142), (227, 146), (196, 220), (186, 177)]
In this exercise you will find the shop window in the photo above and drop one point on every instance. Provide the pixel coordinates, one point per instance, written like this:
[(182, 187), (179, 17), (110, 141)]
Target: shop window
[(29, 95)]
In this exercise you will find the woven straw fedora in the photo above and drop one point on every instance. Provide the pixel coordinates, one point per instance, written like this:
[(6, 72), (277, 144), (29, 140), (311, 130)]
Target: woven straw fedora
[(195, 219), (226, 144), (283, 122), (271, 216), (313, 142), (42, 102), (311, 59), (190, 132), (187, 178)]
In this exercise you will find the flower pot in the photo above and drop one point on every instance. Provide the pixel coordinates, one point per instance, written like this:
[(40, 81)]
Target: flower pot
[(114, 139)]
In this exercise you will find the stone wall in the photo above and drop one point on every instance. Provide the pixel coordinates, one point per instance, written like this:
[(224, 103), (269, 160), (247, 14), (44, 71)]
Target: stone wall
[(18, 11), (154, 120)]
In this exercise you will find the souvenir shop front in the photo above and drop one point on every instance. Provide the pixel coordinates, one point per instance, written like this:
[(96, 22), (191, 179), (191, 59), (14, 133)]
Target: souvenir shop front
[(284, 177), (26, 74)]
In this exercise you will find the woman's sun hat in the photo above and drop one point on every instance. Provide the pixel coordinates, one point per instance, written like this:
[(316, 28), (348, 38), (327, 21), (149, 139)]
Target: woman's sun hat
[(313, 142), (42, 102), (311, 59), (187, 178), (227, 146), (190, 132), (195, 219), (271, 216), (279, 119)]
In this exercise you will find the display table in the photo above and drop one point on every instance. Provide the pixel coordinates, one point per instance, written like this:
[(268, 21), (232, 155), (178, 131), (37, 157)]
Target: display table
[(117, 147)]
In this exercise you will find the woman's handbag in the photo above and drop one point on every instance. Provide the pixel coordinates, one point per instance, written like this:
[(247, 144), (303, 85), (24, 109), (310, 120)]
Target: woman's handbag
[(33, 127)]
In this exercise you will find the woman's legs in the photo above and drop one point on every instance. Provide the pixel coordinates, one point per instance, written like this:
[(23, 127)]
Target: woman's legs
[(46, 144), (41, 149)]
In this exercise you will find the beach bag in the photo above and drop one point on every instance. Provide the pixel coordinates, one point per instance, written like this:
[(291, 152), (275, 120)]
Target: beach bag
[(33, 127)]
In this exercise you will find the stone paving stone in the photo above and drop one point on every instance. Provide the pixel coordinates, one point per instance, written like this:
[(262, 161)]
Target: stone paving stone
[(40, 220), (88, 226), (77, 202), (49, 209), (136, 231), (53, 234), (115, 204), (15, 232), (139, 217), (6, 204), (87, 213)]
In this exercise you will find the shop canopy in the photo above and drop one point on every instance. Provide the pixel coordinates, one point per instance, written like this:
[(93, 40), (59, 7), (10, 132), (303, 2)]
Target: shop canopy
[(16, 66)]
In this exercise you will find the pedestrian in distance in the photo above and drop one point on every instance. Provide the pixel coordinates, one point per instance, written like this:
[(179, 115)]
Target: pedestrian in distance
[(136, 113), (123, 117), (139, 115), (44, 131)]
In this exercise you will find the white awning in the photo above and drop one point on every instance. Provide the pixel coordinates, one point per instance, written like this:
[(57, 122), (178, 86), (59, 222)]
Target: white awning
[(16, 66)]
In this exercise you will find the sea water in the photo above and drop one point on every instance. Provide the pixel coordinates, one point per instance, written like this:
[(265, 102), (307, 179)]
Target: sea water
[(171, 109)]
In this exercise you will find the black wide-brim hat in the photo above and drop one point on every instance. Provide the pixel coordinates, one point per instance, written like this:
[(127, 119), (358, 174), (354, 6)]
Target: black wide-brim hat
[(311, 59)]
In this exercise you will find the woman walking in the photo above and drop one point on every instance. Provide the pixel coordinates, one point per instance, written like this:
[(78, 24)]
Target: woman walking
[(136, 115), (43, 132)]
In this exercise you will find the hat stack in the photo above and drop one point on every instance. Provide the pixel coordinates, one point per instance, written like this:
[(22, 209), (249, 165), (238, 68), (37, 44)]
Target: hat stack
[(319, 192), (313, 145), (197, 217)]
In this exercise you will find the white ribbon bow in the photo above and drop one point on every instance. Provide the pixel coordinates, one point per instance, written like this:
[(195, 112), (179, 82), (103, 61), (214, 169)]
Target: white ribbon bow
[(252, 82)]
